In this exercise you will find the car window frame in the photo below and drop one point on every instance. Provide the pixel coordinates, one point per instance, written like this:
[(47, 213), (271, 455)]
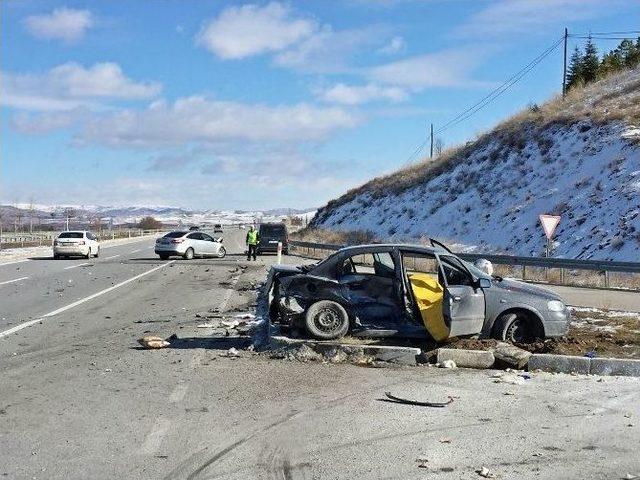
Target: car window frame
[(461, 264), (195, 235), (354, 265)]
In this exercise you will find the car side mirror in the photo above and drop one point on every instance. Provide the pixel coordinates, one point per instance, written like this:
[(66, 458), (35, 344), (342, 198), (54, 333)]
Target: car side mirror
[(484, 282)]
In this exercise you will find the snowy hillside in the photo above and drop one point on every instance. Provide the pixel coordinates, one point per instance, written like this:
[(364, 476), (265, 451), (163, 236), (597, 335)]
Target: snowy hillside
[(46, 214), (579, 159)]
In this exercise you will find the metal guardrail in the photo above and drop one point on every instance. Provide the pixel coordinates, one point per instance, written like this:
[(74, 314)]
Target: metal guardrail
[(23, 239), (600, 266)]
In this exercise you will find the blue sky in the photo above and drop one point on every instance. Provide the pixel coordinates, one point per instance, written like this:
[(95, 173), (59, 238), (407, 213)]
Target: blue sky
[(232, 105)]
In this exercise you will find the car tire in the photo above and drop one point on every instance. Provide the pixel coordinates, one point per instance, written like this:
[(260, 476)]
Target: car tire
[(88, 255), (188, 255), (222, 252), (163, 256), (327, 320), (97, 253), (517, 327)]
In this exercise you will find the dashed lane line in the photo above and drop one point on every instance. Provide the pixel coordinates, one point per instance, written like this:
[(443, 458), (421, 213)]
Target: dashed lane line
[(19, 327), (76, 266), (14, 280)]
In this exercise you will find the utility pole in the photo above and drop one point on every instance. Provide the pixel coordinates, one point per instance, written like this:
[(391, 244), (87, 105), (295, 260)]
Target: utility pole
[(431, 154), (564, 64)]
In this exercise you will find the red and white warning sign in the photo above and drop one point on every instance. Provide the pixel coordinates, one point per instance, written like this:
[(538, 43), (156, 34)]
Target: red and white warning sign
[(549, 224)]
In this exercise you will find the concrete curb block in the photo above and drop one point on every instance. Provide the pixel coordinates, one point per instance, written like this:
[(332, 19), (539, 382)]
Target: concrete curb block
[(584, 365), (559, 363), (615, 366), (380, 353), (467, 358)]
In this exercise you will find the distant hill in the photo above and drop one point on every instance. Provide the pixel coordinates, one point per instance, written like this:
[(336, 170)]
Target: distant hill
[(578, 158)]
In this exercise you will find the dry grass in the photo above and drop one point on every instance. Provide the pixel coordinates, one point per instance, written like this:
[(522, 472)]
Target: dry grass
[(615, 98)]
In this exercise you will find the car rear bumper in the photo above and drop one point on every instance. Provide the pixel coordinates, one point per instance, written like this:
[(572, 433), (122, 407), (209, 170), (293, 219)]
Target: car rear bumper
[(71, 250), (170, 249)]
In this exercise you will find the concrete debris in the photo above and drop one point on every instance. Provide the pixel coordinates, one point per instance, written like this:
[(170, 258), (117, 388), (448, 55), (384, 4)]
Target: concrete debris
[(508, 377), (153, 342), (511, 355), (233, 352), (485, 472), (448, 364), (422, 462)]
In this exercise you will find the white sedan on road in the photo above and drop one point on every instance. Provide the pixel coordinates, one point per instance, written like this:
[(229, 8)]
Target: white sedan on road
[(79, 243), (189, 244)]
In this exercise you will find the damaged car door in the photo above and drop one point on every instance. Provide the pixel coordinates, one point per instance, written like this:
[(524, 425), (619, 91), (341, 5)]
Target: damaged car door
[(368, 282), (463, 301)]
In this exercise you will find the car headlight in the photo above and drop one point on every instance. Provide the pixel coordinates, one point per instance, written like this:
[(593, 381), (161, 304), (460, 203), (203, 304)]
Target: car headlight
[(555, 306)]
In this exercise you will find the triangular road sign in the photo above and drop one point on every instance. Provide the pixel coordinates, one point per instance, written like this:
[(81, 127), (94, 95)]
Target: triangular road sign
[(549, 224)]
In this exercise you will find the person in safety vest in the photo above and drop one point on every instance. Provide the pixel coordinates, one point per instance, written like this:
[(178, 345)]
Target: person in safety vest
[(252, 242)]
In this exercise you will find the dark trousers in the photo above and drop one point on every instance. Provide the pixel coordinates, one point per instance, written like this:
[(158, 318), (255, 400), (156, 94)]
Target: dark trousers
[(251, 251)]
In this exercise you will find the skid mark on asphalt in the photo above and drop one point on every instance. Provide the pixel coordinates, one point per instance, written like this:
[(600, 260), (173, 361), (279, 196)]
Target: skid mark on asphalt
[(154, 438), (13, 281)]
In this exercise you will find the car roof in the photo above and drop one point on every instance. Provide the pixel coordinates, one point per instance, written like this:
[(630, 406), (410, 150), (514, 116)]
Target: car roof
[(373, 247), (75, 231)]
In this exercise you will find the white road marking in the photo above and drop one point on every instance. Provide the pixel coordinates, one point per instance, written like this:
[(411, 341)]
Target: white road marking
[(135, 251), (76, 266), (112, 256), (154, 438), (15, 261), (17, 328), (178, 394), (14, 280)]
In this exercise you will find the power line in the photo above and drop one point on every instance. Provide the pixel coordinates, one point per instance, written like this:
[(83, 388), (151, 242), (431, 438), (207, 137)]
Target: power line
[(609, 33), (594, 37), (515, 78)]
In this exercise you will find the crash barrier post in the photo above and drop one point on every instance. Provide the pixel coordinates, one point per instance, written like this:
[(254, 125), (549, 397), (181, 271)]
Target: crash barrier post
[(601, 267), (279, 253)]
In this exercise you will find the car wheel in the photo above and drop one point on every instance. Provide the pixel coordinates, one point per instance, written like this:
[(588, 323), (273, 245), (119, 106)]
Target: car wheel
[(88, 255), (188, 255), (517, 327), (222, 252), (163, 256), (327, 320), (97, 253)]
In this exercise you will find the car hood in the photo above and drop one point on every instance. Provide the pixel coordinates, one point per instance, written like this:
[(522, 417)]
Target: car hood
[(290, 269), (526, 288)]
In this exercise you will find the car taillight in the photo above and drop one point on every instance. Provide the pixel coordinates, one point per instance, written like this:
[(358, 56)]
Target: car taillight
[(177, 240)]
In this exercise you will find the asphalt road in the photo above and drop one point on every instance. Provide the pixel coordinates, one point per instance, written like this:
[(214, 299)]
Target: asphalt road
[(80, 399)]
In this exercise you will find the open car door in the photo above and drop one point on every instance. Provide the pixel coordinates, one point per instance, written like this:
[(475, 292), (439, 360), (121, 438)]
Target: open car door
[(463, 304)]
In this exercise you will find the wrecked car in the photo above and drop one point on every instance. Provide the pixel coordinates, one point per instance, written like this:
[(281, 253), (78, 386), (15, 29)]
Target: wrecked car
[(410, 290)]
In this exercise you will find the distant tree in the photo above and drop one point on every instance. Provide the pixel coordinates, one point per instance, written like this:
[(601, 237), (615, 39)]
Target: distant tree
[(590, 62), (149, 223), (575, 76)]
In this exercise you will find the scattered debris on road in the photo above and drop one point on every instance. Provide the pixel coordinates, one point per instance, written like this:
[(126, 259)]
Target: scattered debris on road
[(417, 403), (485, 472), (153, 342)]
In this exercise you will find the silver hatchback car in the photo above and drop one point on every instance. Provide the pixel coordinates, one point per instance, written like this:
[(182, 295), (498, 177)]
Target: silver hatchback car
[(189, 244)]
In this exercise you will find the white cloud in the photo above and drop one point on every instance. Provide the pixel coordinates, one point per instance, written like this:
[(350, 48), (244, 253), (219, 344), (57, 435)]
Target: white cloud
[(355, 95), (533, 16), (328, 51), (248, 30), (71, 85), (442, 69), (395, 45), (198, 119), (65, 24)]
